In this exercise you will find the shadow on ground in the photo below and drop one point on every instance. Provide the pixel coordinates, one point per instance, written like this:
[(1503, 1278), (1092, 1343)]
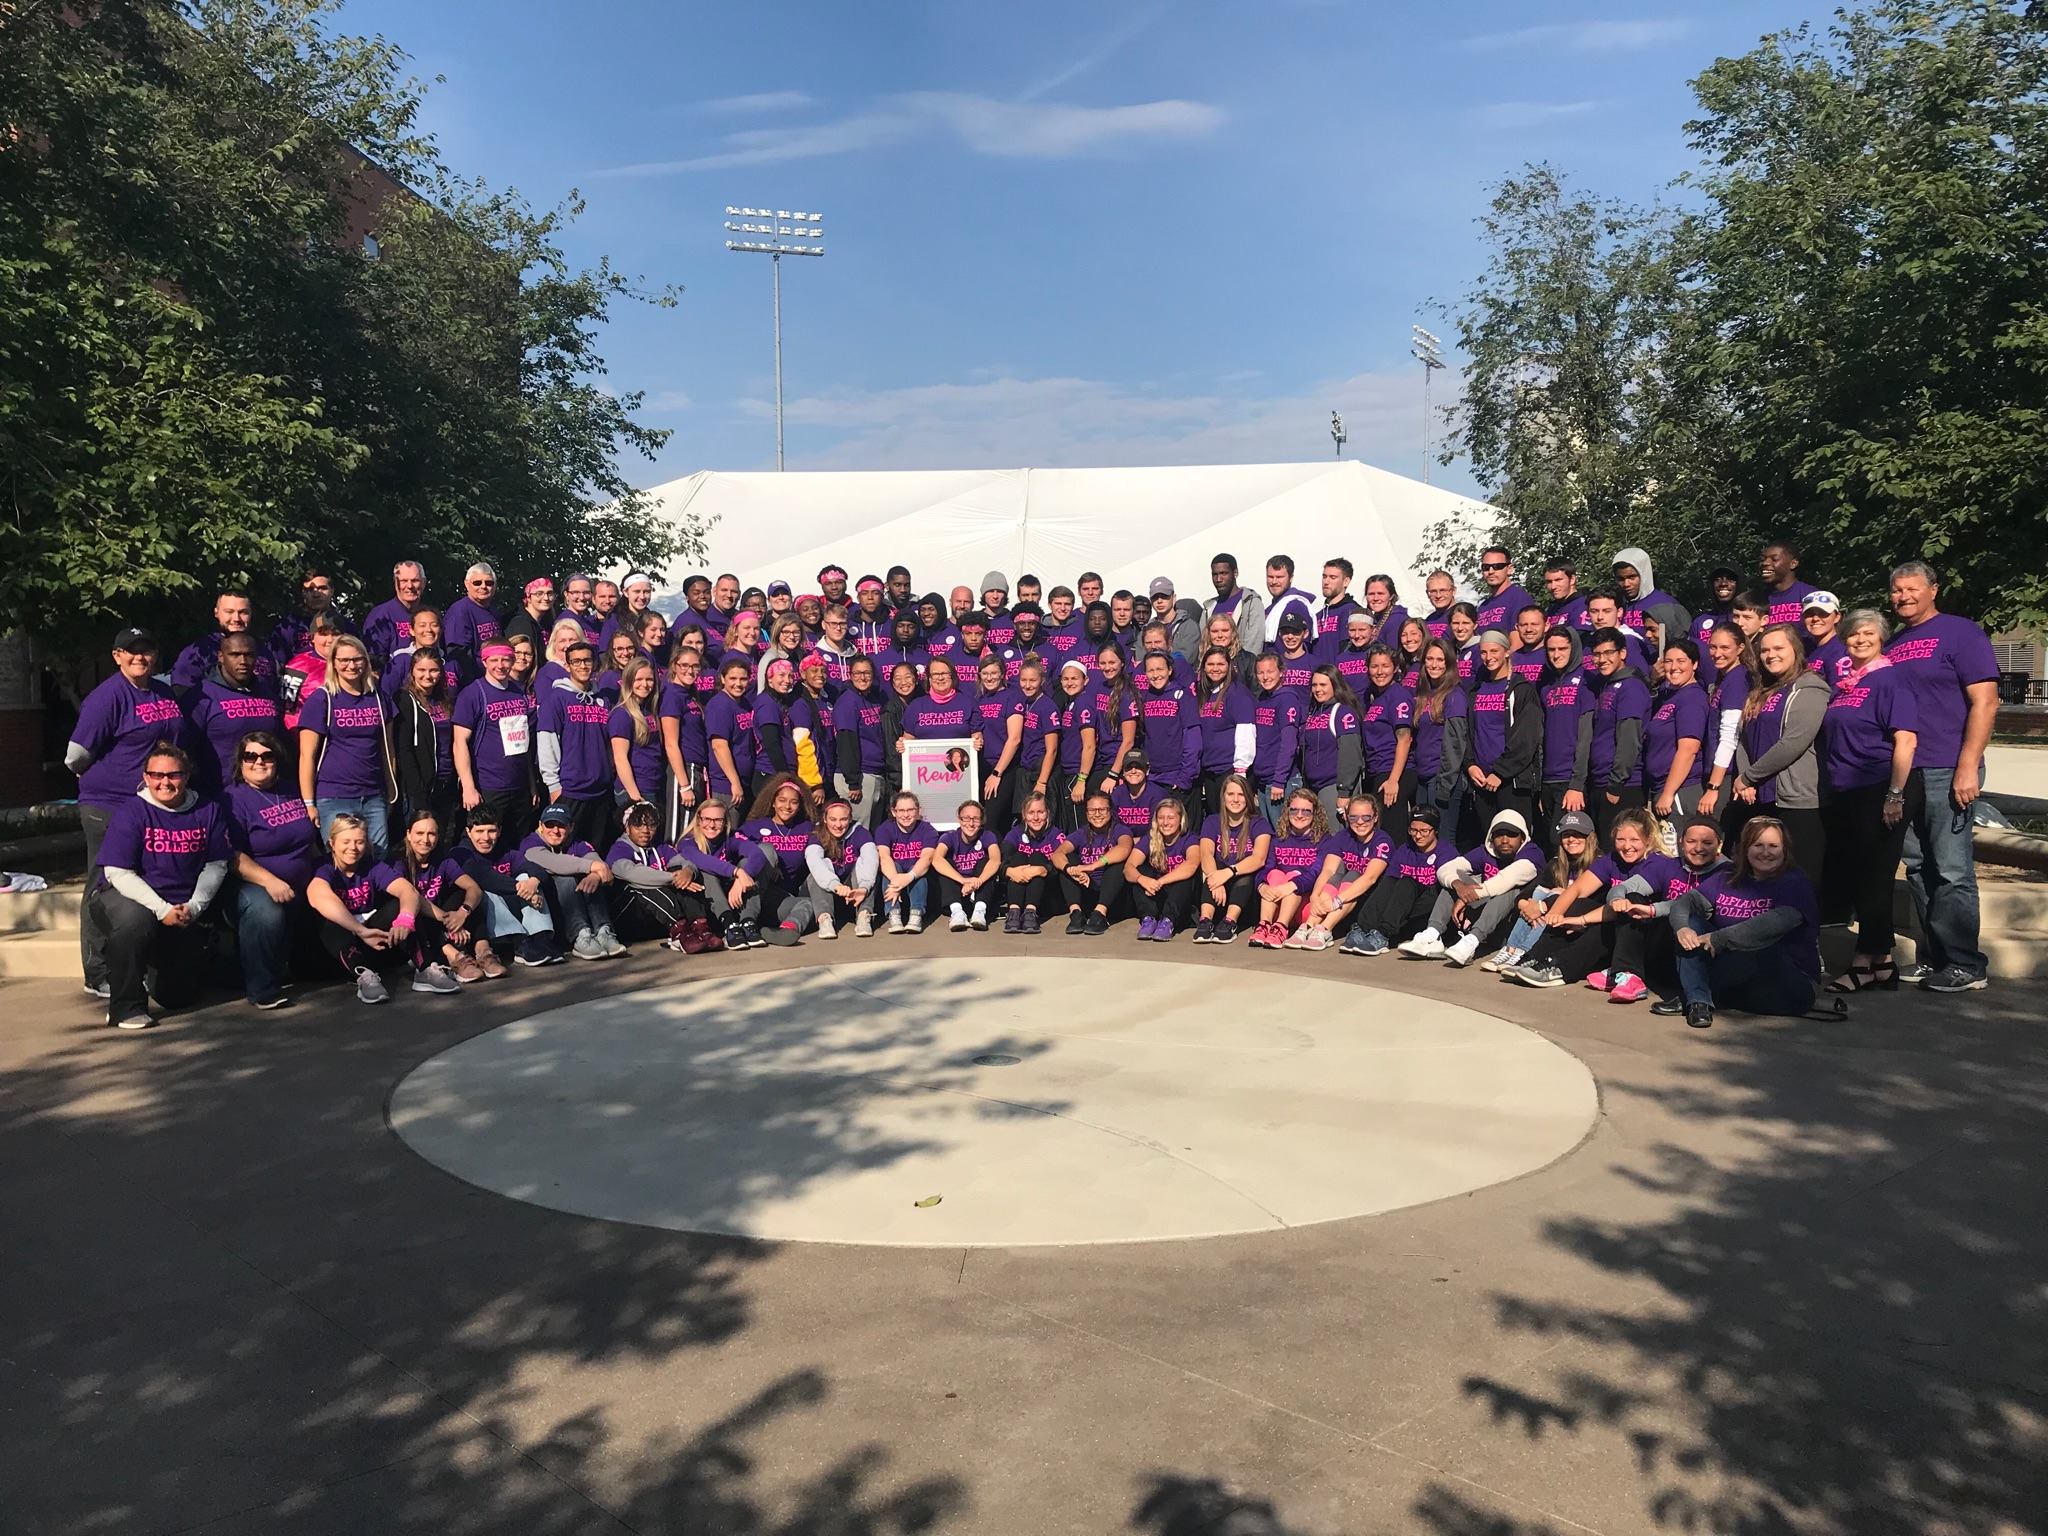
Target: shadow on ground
[(223, 1310)]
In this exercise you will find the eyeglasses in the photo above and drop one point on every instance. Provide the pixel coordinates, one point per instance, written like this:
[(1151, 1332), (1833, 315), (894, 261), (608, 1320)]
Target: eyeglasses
[(163, 778), (259, 757), (1606, 653), (1301, 810), (1493, 565)]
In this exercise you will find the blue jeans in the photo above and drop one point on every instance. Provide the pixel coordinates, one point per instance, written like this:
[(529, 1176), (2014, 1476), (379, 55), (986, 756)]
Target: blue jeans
[(370, 807), (575, 913), (502, 920), (263, 937), (1941, 877), (1750, 980), (913, 898), (1524, 934)]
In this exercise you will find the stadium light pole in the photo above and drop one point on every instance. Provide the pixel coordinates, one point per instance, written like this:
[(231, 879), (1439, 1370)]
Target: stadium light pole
[(1428, 351), (782, 234), (1337, 433)]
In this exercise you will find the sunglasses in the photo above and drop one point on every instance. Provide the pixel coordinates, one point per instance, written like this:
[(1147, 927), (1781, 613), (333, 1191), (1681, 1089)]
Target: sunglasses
[(1493, 565), (259, 757), (175, 773)]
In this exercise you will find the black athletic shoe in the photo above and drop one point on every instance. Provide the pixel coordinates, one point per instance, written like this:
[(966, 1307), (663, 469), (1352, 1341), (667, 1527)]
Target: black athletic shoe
[(1668, 1007), (1013, 921), (1097, 925), (1031, 919), (1700, 1015), (1077, 922), (1205, 929)]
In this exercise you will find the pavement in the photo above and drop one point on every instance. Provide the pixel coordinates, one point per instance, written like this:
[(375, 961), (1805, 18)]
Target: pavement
[(1794, 1279)]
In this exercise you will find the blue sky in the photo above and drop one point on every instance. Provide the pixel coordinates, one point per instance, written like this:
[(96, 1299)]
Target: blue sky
[(1163, 231)]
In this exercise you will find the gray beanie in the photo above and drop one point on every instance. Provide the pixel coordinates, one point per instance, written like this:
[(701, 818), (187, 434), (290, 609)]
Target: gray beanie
[(994, 581)]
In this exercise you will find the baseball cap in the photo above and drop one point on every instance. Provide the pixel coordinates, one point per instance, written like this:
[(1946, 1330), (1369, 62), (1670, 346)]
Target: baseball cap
[(1292, 622), (1575, 821), (1137, 759), (136, 642), (1161, 587), (555, 816), (778, 585), (1821, 602)]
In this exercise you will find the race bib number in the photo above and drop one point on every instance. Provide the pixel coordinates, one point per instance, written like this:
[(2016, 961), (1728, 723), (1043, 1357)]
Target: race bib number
[(515, 734)]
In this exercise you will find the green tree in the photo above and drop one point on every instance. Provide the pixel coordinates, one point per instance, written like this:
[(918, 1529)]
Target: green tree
[(206, 376), (1871, 274)]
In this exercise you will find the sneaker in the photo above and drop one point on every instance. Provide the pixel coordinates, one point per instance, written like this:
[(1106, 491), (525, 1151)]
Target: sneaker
[(1955, 979), (1501, 959), (587, 947), (1668, 1007), (1225, 932), (466, 971), (435, 978), (863, 924), (1163, 932), (1536, 975), (1295, 940), (1077, 922), (1628, 989), (1464, 952), (275, 1000), (136, 1021), (489, 964), (370, 988), (1262, 936), (1205, 930), (1596, 981), (534, 949), (1374, 943), (1354, 943), (1315, 938), (754, 938), (782, 935), (1426, 945), (1918, 971), (611, 943), (1013, 920), (1031, 919), (895, 918), (99, 990), (915, 922), (1098, 925), (1700, 1015), (826, 928), (979, 919), (1146, 925), (956, 920)]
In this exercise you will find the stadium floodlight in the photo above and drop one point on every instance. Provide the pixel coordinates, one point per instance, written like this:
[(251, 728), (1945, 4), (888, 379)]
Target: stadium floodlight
[(787, 234), (1428, 351), (1337, 433)]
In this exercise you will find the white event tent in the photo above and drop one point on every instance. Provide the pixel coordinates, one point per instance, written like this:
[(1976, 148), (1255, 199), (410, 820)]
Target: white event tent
[(950, 526)]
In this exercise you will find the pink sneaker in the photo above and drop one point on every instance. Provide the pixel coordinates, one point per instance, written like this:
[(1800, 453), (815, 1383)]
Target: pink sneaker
[(1628, 989), (1597, 981), (1295, 940), (1316, 938)]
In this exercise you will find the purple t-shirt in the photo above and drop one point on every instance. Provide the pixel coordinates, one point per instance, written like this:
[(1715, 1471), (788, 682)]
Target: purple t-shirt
[(1387, 713), (967, 854), (1409, 862), (1570, 613), (1730, 692), (862, 715), (1023, 846), (1295, 861), (1735, 901), (1218, 717), (927, 718), (1295, 671), (580, 722), (1134, 812), (275, 831), (1615, 699), (1830, 659), (1428, 758), (468, 625), (644, 758), (1786, 606), (500, 726), (435, 883), (1073, 715), (682, 705), (361, 891), (167, 848), (1041, 718), (1656, 870), (1240, 843), (1089, 844), (1354, 855), (349, 757), (1176, 849), (1355, 668), (783, 842), (1333, 626), (1856, 732), (118, 724), (1490, 721), (905, 846), (731, 721), (221, 716), (1941, 657), (1322, 727), (1166, 718), (1498, 611), (1276, 723), (387, 627), (1680, 714)]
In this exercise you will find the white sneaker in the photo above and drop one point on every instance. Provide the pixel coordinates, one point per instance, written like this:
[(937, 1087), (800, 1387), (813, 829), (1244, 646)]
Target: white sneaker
[(864, 924), (1426, 945), (435, 978), (957, 922), (1501, 958), (826, 928), (135, 1021), (895, 919), (916, 923), (980, 917), (610, 943), (370, 987), (1463, 952), (587, 947)]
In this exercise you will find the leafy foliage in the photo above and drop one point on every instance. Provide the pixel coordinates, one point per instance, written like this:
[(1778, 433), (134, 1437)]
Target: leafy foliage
[(208, 377)]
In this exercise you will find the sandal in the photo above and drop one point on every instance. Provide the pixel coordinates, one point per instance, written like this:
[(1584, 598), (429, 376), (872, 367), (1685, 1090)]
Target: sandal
[(1860, 975)]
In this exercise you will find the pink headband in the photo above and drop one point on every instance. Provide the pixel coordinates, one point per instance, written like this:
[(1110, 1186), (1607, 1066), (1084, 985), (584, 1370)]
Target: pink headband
[(538, 582), (496, 648), (870, 583)]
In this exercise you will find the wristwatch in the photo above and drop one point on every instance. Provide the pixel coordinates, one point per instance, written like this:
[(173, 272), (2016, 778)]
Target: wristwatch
[(1895, 794)]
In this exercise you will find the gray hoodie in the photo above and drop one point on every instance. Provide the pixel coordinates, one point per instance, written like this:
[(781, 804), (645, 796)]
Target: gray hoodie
[(1651, 606), (1791, 764)]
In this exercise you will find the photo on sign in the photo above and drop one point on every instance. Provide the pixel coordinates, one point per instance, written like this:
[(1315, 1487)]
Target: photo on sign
[(942, 773)]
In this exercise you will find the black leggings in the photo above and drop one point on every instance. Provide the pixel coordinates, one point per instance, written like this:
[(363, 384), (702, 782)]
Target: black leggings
[(1647, 948), (652, 911), (1577, 952), (353, 955), (949, 895), (1395, 908), (1861, 860), (1172, 902), (1025, 893), (1240, 891), (1102, 890)]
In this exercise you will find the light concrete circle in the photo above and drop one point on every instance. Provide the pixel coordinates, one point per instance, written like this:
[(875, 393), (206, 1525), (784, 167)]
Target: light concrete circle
[(1146, 1102)]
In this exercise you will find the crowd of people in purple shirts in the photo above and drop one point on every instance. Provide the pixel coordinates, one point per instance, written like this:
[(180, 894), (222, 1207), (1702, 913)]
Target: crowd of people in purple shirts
[(1598, 785)]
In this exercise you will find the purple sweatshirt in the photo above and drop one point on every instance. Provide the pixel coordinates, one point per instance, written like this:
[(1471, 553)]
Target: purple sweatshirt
[(1276, 718), (1218, 718)]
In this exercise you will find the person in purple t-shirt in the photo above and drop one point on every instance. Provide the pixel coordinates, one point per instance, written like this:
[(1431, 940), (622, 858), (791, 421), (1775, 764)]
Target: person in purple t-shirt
[(494, 745), (905, 844), (729, 728), (470, 622), (1236, 843), (968, 858), (387, 628), (370, 913), (1821, 617), (1567, 608), (1400, 900), (1356, 858), (1028, 865), (1675, 735), (1620, 704), (345, 762), (1293, 866), (1749, 937), (1091, 867), (226, 704), (1778, 565), (1169, 725), (1163, 871), (1503, 598), (277, 848), (161, 864)]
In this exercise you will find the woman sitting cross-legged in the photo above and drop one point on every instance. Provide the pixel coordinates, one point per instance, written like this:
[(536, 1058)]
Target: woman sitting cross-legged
[(1576, 845), (1358, 855), (844, 869), (1749, 938), (370, 915), (1293, 868)]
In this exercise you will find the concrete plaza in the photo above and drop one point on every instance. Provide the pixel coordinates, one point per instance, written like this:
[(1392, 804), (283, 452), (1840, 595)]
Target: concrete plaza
[(1793, 1278)]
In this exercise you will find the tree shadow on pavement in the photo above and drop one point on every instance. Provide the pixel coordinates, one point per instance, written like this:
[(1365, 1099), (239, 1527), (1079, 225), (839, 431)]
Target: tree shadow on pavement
[(233, 1301)]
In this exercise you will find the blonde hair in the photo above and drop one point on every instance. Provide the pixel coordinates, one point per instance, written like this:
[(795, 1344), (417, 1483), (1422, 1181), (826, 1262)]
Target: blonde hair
[(642, 731), (1155, 846), (349, 643)]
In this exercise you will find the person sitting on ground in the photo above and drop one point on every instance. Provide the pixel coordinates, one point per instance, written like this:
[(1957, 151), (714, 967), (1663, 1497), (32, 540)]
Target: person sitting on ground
[(1091, 867), (967, 859), (845, 869), (1357, 855), (1164, 864), (370, 915), (1292, 868), (446, 926), (905, 844), (1584, 918), (1399, 903), (575, 879), (731, 867), (1749, 937), (1236, 843), (1479, 893), (514, 913), (1027, 864), (658, 894)]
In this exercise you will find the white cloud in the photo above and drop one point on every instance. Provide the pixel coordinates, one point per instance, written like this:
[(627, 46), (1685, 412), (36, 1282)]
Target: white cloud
[(667, 402), (1071, 422), (1529, 114), (1586, 36), (1010, 129), (759, 101)]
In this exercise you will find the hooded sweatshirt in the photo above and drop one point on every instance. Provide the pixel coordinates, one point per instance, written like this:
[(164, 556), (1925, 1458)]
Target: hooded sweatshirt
[(1567, 718), (161, 856), (1651, 605), (573, 736), (1483, 866)]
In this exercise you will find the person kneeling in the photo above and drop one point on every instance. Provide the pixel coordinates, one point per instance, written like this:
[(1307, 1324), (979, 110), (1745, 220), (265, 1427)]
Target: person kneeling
[(1750, 937), (370, 914), (1480, 890), (575, 879)]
